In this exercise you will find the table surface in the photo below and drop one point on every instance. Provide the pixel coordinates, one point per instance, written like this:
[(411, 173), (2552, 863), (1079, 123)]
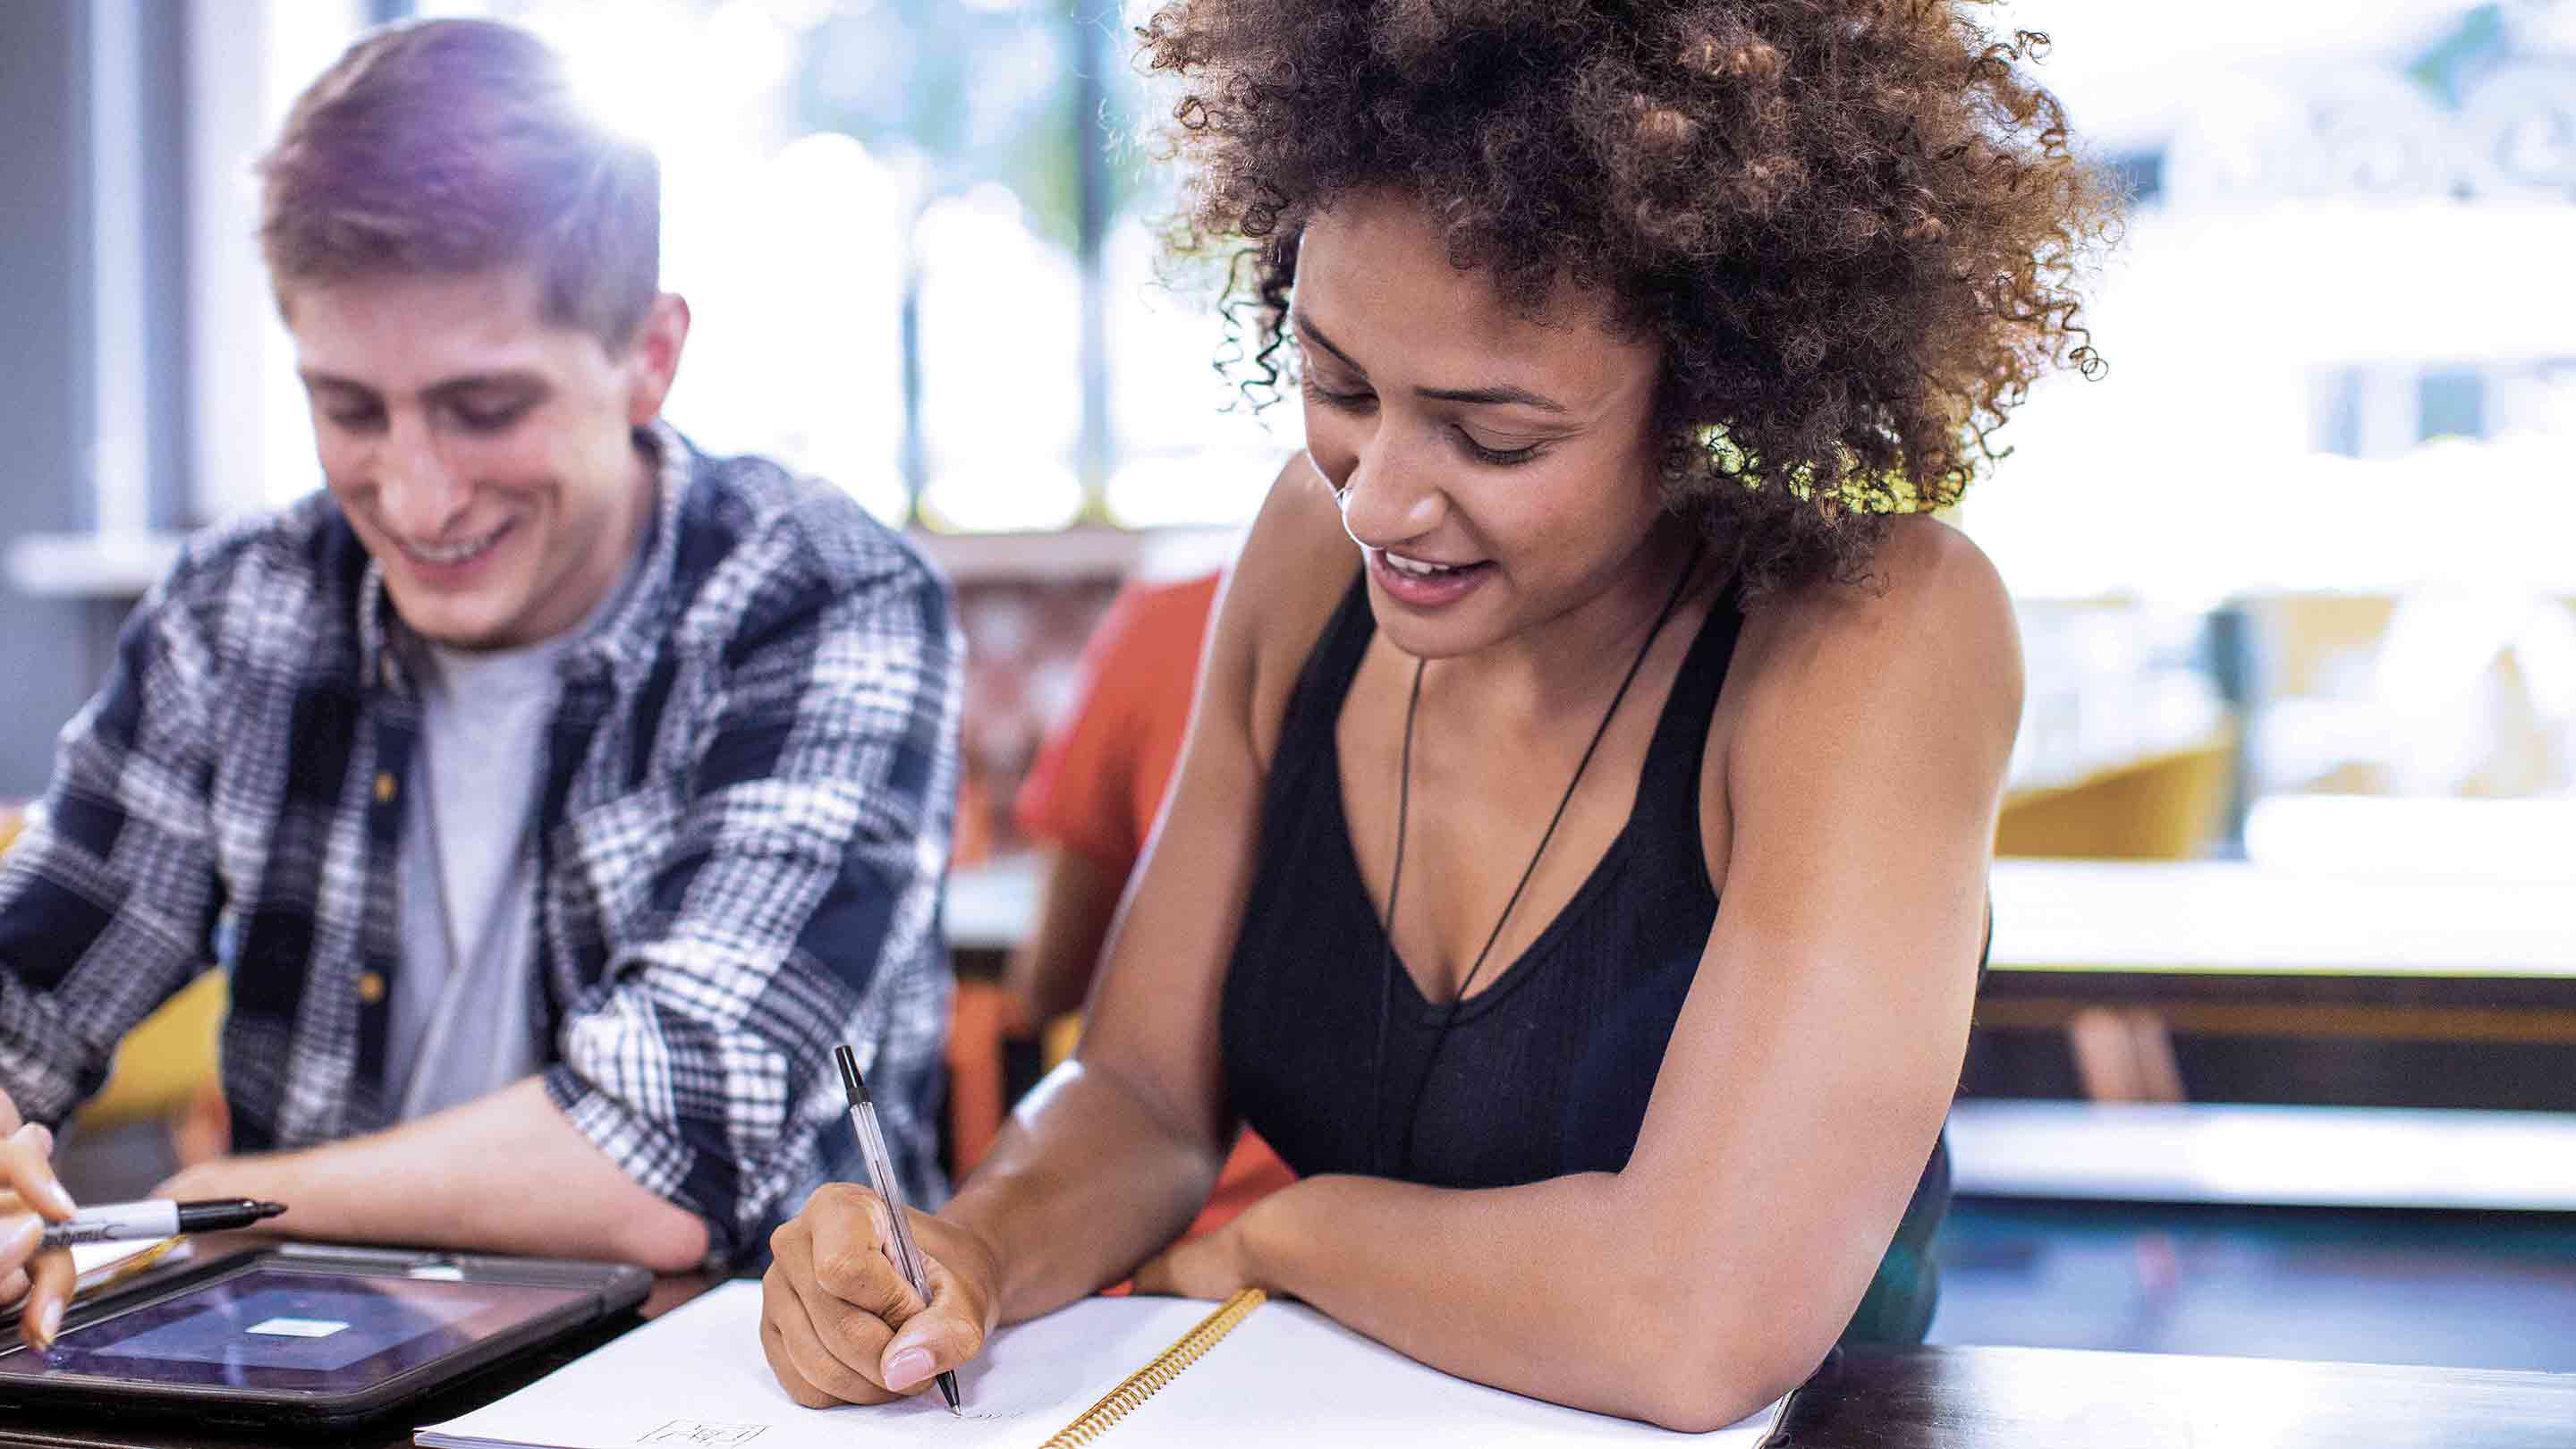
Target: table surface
[(1931, 1398), (2167, 918), (2024, 1398)]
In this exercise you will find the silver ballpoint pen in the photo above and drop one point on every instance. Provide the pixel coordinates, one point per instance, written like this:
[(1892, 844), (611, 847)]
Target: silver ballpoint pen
[(872, 1145)]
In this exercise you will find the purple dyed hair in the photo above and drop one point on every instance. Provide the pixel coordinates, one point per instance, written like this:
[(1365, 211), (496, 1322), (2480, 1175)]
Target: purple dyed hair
[(454, 146)]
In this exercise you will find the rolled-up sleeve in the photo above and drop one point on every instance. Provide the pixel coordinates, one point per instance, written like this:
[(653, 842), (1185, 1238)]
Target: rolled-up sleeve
[(796, 907), (106, 901)]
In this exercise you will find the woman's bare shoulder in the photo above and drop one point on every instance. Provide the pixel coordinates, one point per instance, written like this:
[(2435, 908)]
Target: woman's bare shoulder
[(1929, 635), (1930, 590)]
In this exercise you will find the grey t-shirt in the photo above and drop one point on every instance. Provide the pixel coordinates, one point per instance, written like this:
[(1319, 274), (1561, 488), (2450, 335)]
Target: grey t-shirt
[(460, 1025), (462, 1022)]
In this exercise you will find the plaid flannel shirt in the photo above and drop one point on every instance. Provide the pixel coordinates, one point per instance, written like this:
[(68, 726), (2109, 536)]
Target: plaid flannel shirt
[(743, 825)]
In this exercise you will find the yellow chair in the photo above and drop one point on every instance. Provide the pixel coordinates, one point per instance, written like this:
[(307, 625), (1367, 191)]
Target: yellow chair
[(2161, 807), (163, 1063)]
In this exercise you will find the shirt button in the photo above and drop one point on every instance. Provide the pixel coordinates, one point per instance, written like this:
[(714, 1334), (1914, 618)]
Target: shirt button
[(384, 787), (371, 987)]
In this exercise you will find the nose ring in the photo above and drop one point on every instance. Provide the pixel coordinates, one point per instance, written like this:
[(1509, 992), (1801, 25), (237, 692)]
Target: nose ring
[(1341, 494)]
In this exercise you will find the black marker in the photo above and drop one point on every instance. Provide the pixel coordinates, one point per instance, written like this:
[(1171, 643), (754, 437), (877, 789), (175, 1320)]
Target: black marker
[(154, 1218)]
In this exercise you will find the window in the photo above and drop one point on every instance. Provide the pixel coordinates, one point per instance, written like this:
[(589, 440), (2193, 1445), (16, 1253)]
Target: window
[(2336, 307), (2341, 404), (914, 234), (2338, 331)]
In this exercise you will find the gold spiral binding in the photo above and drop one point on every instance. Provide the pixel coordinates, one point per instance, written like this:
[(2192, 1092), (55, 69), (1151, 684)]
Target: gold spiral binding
[(1145, 1382)]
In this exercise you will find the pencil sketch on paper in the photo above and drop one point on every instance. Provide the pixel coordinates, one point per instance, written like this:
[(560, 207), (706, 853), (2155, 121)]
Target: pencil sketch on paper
[(694, 1431)]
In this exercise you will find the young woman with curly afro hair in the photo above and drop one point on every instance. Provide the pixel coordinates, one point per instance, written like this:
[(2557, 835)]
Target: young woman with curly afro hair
[(1577, 866)]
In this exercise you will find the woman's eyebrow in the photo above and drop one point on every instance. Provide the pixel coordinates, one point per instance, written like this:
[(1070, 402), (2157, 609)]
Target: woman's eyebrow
[(1519, 396), (1307, 331)]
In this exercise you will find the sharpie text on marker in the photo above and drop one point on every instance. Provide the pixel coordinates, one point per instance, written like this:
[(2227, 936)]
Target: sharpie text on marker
[(154, 1218)]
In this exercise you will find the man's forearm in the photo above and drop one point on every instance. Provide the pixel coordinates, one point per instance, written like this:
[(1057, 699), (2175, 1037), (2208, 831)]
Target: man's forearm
[(502, 1174)]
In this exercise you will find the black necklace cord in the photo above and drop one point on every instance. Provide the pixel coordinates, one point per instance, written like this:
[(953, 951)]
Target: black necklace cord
[(1403, 800), (1394, 887)]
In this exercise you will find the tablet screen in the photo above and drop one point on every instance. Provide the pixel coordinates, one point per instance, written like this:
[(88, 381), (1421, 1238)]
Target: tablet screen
[(279, 1329)]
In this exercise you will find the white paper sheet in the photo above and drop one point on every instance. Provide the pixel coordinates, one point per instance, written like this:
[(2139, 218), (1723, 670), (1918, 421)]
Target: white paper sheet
[(95, 1265), (88, 1258), (1292, 1378), (1286, 1376)]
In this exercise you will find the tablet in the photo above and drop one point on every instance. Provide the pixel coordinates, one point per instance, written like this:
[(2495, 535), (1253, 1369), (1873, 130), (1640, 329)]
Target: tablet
[(296, 1334)]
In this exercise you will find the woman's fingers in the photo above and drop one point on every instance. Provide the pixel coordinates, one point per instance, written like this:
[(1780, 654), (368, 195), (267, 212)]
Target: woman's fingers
[(29, 1198), (20, 1233), (850, 1241), (811, 1373), (945, 1335), (784, 1369), (847, 1294), (49, 1292), (27, 1169), (839, 1322)]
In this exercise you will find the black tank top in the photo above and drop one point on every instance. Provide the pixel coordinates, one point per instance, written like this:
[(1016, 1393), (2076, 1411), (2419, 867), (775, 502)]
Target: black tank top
[(1547, 1070)]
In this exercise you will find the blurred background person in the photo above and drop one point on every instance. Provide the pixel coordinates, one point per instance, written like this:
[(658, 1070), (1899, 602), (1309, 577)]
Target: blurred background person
[(1091, 801)]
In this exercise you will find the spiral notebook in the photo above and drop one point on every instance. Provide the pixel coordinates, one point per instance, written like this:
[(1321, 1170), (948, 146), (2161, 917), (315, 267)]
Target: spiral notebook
[(1124, 1373)]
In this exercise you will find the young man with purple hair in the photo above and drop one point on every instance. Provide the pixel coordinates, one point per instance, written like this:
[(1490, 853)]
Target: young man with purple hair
[(556, 795)]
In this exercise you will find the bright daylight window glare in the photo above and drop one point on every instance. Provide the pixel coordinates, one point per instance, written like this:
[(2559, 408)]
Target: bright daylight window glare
[(885, 224), (2341, 340), (916, 236)]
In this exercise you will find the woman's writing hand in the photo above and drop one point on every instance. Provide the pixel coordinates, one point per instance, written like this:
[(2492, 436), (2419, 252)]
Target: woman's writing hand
[(30, 1197), (839, 1323)]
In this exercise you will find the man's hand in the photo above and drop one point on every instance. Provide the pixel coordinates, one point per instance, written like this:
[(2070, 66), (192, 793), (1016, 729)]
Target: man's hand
[(30, 1197), (839, 1323), (200, 1180)]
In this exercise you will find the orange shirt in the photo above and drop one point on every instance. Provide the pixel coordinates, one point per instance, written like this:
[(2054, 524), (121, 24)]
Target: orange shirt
[(1098, 782)]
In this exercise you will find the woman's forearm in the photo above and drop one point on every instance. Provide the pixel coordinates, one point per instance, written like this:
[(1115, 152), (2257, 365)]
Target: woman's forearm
[(1085, 1183), (1553, 1289)]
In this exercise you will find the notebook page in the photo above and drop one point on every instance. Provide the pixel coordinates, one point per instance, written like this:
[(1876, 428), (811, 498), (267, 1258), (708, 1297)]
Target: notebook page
[(1286, 1376), (1291, 1377), (696, 1376)]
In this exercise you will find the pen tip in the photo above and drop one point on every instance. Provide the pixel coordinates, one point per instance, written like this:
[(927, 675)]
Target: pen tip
[(851, 1082), (268, 1209)]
